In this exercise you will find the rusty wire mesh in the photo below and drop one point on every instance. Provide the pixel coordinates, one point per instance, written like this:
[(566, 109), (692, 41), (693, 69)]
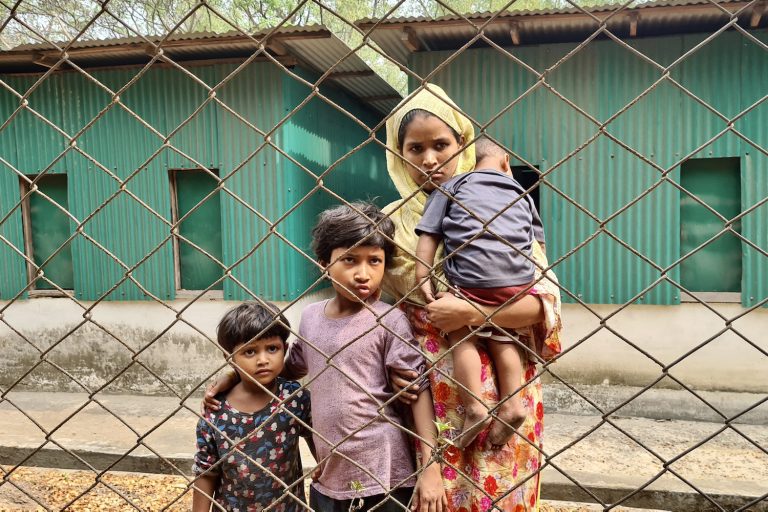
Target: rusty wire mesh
[(602, 128)]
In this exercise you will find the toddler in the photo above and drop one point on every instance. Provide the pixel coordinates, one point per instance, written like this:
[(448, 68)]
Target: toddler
[(488, 227)]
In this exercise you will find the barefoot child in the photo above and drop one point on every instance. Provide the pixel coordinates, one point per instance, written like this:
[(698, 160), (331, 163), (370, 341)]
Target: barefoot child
[(247, 451), (487, 226), (347, 346)]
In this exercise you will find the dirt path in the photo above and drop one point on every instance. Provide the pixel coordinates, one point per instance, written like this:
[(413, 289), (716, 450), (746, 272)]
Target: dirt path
[(54, 489)]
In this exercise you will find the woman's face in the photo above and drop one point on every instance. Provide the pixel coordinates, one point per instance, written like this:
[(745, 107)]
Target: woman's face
[(430, 149)]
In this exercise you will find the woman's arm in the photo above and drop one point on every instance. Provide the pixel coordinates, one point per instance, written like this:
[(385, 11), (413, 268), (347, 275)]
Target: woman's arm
[(429, 493), (449, 313)]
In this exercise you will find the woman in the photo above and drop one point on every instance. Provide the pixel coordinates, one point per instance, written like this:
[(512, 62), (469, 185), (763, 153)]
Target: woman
[(476, 477)]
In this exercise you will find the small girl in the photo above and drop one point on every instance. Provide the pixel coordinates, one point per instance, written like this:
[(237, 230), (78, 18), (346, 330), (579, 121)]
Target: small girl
[(247, 451)]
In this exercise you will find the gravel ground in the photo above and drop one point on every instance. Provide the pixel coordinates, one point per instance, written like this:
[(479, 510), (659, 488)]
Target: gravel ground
[(53, 489)]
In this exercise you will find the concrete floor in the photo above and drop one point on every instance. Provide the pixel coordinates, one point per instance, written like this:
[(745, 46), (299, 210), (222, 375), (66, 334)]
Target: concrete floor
[(731, 466)]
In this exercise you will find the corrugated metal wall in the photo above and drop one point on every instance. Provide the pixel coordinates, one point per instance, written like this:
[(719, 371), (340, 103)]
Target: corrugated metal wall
[(754, 165), (13, 274), (255, 94), (318, 136), (664, 126), (164, 97), (124, 228)]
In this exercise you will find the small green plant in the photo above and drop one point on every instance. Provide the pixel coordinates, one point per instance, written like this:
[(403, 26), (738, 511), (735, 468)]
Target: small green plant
[(356, 503), (442, 430)]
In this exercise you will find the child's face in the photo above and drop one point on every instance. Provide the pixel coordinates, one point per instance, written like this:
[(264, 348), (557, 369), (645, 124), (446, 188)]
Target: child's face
[(427, 144), (260, 359), (356, 273)]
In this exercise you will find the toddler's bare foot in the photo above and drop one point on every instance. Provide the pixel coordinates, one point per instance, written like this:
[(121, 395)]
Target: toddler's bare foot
[(511, 416), (475, 421)]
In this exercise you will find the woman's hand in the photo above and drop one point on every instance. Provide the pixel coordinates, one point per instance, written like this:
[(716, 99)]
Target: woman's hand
[(222, 383), (450, 313), (429, 493), (401, 379), (428, 291)]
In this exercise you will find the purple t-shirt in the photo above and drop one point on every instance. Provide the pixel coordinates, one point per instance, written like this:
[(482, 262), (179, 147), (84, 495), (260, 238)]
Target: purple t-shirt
[(347, 361)]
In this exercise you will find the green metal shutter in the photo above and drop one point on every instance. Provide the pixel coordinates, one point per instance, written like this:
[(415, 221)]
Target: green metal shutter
[(49, 230), (202, 228), (716, 267)]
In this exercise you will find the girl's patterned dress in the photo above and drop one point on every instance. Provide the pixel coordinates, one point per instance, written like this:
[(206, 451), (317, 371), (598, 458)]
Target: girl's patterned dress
[(256, 456)]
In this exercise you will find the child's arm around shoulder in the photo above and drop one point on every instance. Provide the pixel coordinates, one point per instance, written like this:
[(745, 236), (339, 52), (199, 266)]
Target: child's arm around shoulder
[(296, 362)]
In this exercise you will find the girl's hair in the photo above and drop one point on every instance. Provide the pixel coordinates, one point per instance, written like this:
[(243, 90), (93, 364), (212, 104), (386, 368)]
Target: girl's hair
[(245, 322), (408, 119), (342, 226)]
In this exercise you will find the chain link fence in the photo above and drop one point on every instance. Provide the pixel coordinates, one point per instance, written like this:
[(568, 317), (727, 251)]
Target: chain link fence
[(275, 219)]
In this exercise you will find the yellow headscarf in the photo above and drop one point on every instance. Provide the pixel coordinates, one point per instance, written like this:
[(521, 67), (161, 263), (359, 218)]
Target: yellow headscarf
[(400, 278)]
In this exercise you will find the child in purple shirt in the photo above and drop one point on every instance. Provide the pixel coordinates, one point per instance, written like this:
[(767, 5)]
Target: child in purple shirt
[(347, 346)]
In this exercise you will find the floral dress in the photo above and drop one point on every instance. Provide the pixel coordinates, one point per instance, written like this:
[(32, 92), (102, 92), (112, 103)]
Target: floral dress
[(256, 456), (478, 480)]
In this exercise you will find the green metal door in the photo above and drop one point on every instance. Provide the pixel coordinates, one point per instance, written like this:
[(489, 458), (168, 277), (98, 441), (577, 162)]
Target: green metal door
[(717, 266), (50, 228), (202, 228)]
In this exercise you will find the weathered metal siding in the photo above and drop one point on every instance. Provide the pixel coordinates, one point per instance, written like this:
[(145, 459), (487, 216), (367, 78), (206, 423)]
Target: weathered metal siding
[(12, 268), (664, 126), (754, 170), (31, 159), (124, 228), (255, 94), (318, 137), (48, 142), (265, 182)]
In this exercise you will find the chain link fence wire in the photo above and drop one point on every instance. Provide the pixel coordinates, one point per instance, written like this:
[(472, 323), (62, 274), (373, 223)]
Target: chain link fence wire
[(17, 20)]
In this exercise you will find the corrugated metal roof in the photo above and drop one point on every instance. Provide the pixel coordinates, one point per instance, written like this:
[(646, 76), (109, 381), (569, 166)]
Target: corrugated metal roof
[(544, 12), (192, 36), (313, 46), (399, 37)]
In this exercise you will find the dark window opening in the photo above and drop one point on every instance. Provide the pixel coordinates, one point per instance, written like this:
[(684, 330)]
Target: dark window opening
[(200, 230), (716, 267), (46, 229), (528, 178)]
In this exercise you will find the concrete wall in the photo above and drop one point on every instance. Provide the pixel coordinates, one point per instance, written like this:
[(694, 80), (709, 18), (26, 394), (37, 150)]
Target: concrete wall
[(184, 353), (726, 363), (185, 359)]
